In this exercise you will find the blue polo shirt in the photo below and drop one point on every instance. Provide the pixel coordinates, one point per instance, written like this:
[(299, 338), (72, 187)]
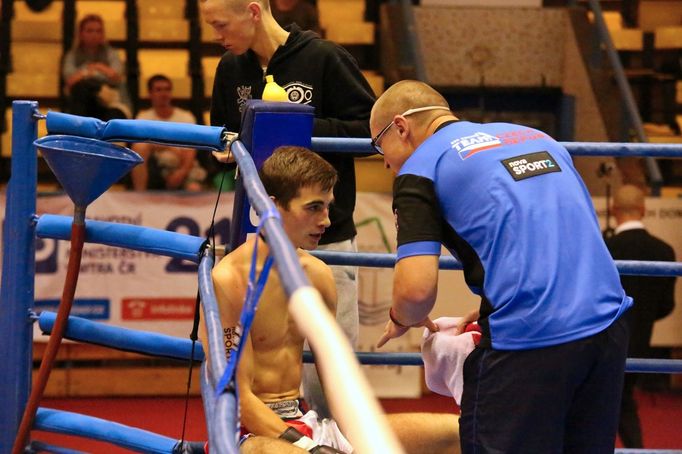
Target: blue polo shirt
[(506, 200)]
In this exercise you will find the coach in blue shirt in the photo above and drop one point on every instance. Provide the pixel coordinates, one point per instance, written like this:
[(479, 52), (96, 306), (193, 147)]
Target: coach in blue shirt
[(506, 200)]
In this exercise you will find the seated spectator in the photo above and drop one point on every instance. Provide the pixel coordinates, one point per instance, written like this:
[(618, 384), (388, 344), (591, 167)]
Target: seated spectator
[(93, 74), (166, 167), (303, 13)]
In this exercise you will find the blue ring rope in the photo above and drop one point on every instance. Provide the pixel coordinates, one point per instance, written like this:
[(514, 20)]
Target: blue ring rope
[(221, 413), (374, 260), (211, 137), (639, 365), (142, 343), (657, 150), (66, 422)]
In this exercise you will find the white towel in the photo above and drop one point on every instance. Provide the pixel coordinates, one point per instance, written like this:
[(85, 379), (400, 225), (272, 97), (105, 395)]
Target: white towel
[(326, 432), (444, 354)]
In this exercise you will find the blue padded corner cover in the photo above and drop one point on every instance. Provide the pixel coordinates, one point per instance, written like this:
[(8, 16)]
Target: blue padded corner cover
[(267, 125), (163, 132)]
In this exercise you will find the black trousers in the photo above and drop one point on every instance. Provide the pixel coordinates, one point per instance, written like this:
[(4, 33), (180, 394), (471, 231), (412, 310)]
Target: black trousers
[(559, 399), (629, 427)]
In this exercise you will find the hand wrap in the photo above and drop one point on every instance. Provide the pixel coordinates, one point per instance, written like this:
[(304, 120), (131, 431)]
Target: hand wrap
[(296, 438)]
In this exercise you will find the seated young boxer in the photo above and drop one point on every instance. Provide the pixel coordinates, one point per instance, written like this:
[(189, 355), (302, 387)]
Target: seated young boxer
[(269, 371)]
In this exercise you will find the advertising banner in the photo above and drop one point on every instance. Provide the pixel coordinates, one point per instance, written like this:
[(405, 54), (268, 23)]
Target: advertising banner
[(148, 292)]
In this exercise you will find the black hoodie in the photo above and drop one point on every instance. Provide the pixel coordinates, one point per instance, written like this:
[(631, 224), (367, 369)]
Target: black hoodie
[(313, 71)]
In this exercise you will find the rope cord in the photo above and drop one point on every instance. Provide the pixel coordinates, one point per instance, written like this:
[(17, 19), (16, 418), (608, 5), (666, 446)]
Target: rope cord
[(253, 293), (194, 335)]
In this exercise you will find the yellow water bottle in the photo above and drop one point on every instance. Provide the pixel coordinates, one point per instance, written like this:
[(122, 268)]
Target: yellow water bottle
[(273, 92)]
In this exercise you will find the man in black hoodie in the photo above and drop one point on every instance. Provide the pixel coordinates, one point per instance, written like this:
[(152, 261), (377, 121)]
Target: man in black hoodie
[(313, 71)]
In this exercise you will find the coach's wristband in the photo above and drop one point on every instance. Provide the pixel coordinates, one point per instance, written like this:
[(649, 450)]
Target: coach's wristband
[(396, 322)]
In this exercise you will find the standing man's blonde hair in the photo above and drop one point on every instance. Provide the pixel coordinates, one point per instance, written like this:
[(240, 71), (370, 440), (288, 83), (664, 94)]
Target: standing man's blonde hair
[(240, 4)]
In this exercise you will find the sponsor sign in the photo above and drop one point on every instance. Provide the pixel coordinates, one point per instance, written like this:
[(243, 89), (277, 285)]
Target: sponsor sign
[(153, 293), (92, 309), (114, 282), (530, 165), (158, 308)]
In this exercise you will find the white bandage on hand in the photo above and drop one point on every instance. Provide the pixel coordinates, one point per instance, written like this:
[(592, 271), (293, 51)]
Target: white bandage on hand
[(305, 443), (296, 438)]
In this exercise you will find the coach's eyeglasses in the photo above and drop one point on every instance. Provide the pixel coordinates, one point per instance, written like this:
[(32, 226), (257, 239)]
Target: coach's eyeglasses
[(375, 140)]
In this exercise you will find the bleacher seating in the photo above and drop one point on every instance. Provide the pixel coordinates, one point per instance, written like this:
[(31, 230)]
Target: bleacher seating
[(111, 11), (173, 63), (35, 69), (36, 46), (162, 21), (645, 49), (35, 52), (376, 81), (171, 9), (624, 39), (343, 22), (164, 30), (209, 65), (659, 13), (669, 37), (29, 26)]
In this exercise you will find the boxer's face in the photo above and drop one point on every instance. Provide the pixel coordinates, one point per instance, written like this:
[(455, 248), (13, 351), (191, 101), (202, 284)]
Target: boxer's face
[(307, 216)]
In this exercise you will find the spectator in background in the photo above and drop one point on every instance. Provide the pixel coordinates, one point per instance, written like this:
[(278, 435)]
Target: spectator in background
[(93, 74), (654, 297), (166, 167), (300, 12)]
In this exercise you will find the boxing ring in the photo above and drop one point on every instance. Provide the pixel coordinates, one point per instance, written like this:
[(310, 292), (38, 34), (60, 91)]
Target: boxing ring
[(267, 125)]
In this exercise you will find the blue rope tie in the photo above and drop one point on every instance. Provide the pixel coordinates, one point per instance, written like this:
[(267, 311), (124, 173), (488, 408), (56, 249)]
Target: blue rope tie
[(253, 293)]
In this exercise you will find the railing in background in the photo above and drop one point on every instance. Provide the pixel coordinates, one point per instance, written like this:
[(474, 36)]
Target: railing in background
[(410, 61), (631, 109), (410, 49)]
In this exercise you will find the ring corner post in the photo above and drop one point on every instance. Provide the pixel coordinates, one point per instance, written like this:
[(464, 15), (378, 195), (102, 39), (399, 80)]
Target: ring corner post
[(18, 270), (265, 126)]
